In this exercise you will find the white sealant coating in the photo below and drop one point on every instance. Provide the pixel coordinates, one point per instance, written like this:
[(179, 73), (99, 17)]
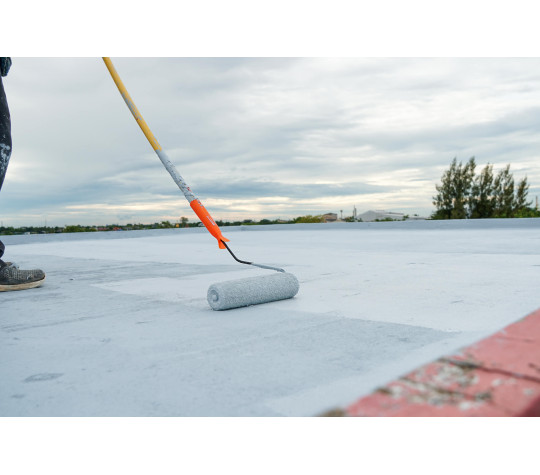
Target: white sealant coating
[(122, 327)]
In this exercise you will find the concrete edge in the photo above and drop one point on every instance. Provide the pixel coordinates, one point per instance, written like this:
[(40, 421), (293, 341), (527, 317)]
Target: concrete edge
[(496, 376)]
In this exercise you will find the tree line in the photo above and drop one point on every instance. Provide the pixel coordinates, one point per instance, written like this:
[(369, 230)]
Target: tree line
[(462, 194), (183, 223)]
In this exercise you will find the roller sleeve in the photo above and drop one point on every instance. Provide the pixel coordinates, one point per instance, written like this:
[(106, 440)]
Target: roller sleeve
[(252, 291)]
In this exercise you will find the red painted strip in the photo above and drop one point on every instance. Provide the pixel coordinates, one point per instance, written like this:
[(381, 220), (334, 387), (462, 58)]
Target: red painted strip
[(497, 376)]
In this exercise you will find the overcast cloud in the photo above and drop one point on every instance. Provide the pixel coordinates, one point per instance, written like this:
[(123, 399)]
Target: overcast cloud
[(259, 137)]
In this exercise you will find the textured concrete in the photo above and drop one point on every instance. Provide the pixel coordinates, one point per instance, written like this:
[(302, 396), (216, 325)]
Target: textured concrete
[(497, 376), (122, 325)]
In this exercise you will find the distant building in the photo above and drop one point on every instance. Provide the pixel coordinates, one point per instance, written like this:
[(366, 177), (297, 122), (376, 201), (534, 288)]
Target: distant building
[(329, 218), (382, 215)]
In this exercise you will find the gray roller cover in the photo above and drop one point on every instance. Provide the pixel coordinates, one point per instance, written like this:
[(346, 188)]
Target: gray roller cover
[(252, 291)]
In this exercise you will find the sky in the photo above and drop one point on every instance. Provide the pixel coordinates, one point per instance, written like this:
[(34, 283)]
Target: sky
[(259, 137)]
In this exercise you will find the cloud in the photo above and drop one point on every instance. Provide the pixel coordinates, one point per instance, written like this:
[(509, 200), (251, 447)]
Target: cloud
[(316, 133)]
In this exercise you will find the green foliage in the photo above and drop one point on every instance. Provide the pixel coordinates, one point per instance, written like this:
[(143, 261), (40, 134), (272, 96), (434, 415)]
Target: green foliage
[(481, 201), (77, 229), (521, 195), (454, 191), (309, 219), (184, 222), (8, 231), (528, 212), (463, 195)]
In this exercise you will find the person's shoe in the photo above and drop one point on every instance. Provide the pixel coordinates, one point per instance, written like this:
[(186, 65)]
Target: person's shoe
[(12, 278)]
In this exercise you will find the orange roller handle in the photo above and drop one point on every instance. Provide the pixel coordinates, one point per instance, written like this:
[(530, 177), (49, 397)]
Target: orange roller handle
[(208, 221)]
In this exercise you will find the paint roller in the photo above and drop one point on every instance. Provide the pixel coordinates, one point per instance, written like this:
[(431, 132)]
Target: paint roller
[(222, 295)]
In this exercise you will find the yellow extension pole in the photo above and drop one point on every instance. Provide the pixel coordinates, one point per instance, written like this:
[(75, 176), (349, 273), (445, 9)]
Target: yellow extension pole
[(194, 202), (131, 105)]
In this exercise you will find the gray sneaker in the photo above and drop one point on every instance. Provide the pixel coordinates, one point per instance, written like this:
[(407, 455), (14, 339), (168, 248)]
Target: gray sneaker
[(12, 278)]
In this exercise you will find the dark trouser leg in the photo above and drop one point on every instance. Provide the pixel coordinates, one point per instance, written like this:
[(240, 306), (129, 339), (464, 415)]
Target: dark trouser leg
[(5, 134), (5, 140)]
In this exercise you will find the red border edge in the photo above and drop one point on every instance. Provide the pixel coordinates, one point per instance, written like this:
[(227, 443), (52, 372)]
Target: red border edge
[(496, 376)]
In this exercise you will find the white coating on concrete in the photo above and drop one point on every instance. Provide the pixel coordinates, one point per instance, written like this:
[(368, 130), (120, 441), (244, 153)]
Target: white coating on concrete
[(122, 326)]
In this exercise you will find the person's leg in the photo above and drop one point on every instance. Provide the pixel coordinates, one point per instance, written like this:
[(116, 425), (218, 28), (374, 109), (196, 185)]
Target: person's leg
[(5, 134), (5, 141), (11, 277)]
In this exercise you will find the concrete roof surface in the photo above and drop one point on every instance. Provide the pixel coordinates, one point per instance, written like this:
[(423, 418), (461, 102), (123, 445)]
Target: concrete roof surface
[(121, 326)]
